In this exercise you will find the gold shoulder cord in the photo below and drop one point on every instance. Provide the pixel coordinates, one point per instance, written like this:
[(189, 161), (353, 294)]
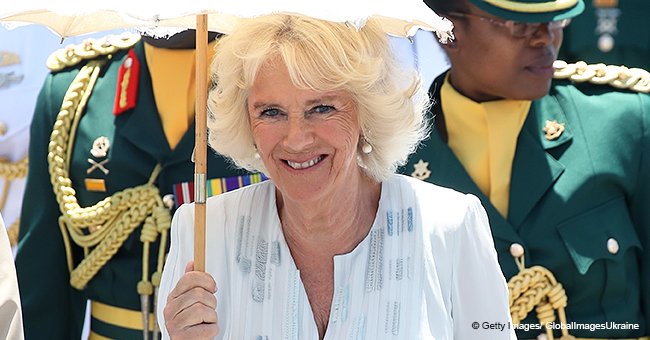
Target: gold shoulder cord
[(10, 171), (101, 229), (72, 55), (536, 287), (635, 79)]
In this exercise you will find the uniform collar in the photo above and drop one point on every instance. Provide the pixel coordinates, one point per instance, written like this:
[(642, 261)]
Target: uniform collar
[(534, 168)]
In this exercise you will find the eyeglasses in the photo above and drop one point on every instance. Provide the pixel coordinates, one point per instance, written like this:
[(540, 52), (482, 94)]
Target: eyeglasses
[(517, 29)]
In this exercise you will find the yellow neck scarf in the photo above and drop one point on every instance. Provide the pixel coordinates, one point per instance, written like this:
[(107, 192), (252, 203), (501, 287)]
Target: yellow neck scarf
[(173, 81), (484, 136)]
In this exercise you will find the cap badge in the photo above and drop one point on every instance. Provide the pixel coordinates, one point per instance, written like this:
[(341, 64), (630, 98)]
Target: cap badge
[(422, 171), (552, 129), (100, 147)]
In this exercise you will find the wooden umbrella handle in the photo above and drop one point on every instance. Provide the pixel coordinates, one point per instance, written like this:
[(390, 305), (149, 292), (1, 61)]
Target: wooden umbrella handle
[(201, 139)]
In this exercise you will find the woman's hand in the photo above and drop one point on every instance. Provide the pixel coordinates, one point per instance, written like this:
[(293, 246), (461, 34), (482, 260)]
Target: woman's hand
[(191, 310)]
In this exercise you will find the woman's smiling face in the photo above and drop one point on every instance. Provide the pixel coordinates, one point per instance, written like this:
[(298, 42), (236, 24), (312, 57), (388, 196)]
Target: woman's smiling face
[(307, 139)]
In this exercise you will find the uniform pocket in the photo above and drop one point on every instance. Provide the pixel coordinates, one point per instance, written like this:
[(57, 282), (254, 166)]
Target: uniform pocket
[(604, 247), (602, 233)]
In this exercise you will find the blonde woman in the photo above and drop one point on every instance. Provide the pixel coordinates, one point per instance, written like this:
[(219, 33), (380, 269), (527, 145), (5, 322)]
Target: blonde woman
[(335, 245)]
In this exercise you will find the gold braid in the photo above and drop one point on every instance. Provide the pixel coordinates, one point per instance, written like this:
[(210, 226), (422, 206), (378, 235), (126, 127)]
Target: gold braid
[(10, 171), (107, 224), (12, 232), (634, 79), (72, 55), (536, 287)]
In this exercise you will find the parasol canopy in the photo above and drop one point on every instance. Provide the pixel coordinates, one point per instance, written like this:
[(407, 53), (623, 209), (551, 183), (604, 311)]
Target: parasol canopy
[(78, 17), (159, 19)]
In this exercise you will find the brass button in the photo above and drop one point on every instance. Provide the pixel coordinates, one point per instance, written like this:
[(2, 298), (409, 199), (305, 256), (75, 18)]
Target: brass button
[(612, 246), (516, 250)]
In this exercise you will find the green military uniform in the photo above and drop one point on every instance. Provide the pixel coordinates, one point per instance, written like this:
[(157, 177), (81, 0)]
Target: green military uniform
[(611, 32), (112, 157), (579, 201)]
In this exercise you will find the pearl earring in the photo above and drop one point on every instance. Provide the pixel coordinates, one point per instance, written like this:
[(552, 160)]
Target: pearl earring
[(366, 147)]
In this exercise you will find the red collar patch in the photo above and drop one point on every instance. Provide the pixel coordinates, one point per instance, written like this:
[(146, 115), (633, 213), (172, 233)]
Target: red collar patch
[(127, 84)]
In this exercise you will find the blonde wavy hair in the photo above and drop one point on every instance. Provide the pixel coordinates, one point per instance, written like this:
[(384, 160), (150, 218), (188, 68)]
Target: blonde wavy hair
[(321, 56)]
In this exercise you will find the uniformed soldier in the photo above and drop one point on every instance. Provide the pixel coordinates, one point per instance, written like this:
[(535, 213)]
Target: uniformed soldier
[(562, 166), (611, 32), (111, 141)]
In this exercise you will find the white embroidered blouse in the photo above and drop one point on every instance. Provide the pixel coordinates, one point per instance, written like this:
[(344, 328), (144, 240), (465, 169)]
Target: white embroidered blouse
[(426, 270)]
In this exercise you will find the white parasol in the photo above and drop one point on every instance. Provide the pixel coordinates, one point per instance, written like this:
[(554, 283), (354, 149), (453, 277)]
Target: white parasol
[(76, 17)]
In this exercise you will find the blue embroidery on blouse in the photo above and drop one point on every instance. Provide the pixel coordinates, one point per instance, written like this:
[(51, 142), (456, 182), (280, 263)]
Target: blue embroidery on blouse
[(399, 268), (242, 246), (387, 318), (240, 239), (275, 253), (409, 267), (261, 256), (396, 317), (340, 305), (375, 265), (345, 303), (400, 216), (291, 312)]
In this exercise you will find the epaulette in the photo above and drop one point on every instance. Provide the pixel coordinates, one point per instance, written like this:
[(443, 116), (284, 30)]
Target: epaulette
[(91, 48), (635, 79)]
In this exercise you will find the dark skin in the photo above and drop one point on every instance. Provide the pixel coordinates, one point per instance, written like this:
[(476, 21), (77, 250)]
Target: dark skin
[(489, 64)]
